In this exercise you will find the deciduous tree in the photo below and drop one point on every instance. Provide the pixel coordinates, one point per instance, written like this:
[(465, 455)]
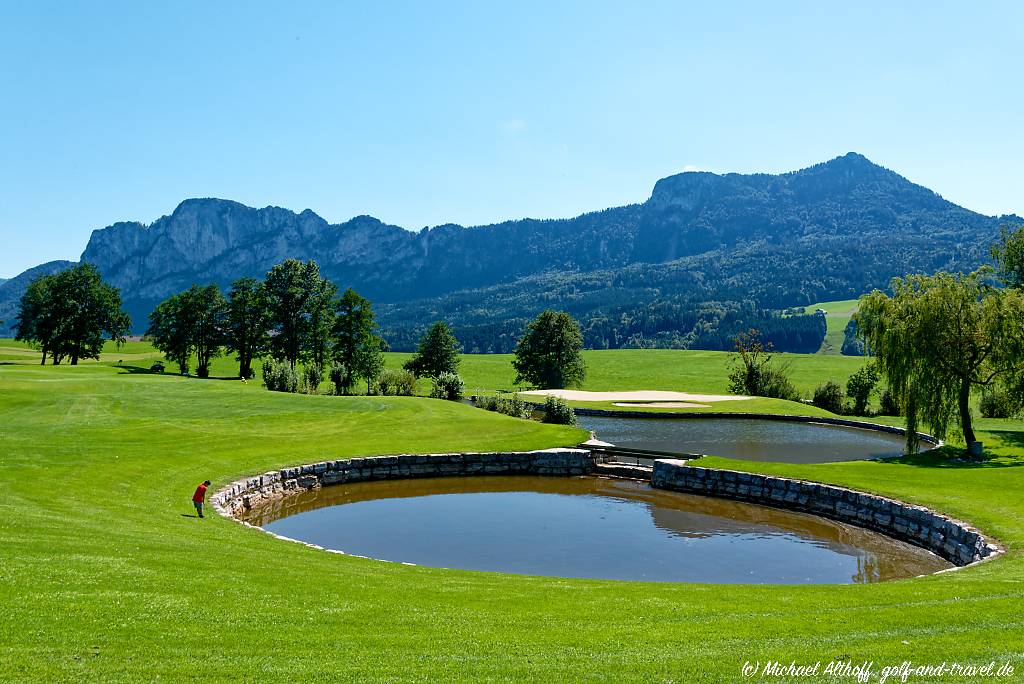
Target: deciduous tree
[(191, 322), (357, 347), (937, 338), (70, 312), (548, 354), (291, 288), (438, 353), (247, 323), (36, 321), (1008, 254)]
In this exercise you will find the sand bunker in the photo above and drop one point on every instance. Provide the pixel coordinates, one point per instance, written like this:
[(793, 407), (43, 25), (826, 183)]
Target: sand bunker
[(637, 396), (659, 404)]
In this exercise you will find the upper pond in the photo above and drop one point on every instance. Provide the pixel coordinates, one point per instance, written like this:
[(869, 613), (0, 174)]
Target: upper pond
[(750, 439), (588, 527)]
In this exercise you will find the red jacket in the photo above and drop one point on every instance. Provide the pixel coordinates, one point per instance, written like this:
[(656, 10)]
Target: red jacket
[(200, 495)]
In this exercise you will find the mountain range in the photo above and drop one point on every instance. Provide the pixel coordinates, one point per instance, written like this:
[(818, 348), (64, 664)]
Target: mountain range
[(705, 256)]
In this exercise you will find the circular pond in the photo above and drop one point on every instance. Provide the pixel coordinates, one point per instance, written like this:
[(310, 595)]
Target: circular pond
[(750, 439), (588, 527)]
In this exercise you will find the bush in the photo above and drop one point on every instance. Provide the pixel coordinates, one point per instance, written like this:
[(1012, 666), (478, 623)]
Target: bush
[(754, 373), (399, 383), (997, 403), (279, 376), (312, 376), (890, 403), (341, 379), (860, 386), (509, 405), (775, 383), (558, 411), (447, 386), (829, 396)]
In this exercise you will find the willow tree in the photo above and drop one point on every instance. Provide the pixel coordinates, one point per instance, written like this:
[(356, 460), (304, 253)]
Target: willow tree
[(1008, 253), (938, 338)]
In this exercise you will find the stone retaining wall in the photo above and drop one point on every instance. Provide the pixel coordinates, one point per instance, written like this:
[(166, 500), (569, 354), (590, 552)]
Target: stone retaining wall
[(953, 540), (244, 494)]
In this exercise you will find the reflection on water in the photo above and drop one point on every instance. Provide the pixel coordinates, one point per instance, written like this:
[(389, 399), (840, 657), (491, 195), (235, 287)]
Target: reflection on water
[(747, 439), (588, 527)]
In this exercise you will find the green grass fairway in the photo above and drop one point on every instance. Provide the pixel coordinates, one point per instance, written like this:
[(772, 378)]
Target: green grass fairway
[(613, 369), (837, 316), (103, 578), (649, 369)]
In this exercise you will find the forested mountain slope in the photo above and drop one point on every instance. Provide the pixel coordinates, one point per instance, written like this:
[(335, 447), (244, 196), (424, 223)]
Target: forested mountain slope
[(704, 256)]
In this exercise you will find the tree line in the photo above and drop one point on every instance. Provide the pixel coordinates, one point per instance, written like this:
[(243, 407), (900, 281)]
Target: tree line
[(293, 316)]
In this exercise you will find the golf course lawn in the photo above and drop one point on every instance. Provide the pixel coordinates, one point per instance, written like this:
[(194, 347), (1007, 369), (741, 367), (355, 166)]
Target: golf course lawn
[(607, 370), (103, 576)]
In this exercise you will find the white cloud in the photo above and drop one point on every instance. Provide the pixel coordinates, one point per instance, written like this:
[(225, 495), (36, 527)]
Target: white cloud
[(691, 167), (512, 126)]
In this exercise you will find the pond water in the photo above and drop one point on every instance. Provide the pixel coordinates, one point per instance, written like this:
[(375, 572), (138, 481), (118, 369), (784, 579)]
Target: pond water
[(749, 439), (588, 527)]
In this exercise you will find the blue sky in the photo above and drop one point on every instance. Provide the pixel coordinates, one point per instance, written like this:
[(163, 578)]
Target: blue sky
[(424, 113)]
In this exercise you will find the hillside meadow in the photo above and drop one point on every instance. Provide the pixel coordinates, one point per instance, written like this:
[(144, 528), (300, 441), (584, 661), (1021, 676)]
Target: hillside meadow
[(837, 315)]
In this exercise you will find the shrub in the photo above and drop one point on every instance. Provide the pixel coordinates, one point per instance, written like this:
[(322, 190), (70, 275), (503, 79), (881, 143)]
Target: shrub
[(509, 405), (312, 376), (997, 403), (341, 379), (401, 383), (890, 403), (485, 402), (753, 372), (776, 383), (829, 396), (860, 386), (447, 386), (558, 411), (279, 376)]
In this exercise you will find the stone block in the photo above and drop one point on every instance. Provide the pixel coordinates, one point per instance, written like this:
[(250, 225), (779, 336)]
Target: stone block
[(333, 477)]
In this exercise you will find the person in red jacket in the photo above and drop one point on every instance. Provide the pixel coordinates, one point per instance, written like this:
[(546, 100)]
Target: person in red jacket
[(199, 498)]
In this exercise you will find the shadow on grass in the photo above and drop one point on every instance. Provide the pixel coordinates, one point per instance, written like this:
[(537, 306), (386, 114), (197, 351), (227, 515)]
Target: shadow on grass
[(188, 515), (1012, 438), (140, 370), (135, 370), (955, 458)]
